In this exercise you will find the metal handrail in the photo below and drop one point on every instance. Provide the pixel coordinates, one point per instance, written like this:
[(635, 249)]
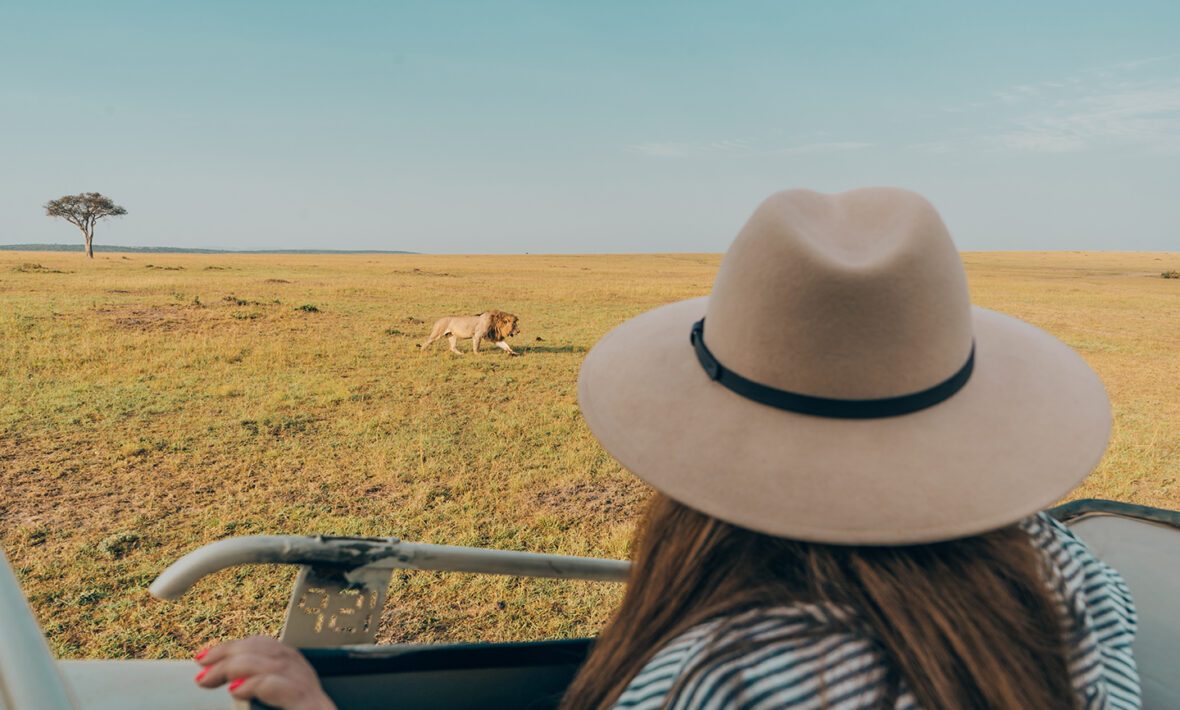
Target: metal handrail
[(379, 553), (29, 677), (1096, 506), (392, 553)]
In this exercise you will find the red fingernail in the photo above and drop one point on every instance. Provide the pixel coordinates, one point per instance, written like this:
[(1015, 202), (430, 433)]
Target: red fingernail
[(201, 654), (234, 685), (201, 675)]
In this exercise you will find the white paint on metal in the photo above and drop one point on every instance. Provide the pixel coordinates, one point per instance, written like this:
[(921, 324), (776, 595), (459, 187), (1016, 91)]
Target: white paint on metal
[(141, 685), (29, 679)]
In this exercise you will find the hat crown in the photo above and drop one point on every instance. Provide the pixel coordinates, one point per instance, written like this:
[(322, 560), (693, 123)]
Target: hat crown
[(854, 295)]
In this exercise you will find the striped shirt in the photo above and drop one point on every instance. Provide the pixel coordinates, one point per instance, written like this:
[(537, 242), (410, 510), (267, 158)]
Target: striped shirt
[(805, 656)]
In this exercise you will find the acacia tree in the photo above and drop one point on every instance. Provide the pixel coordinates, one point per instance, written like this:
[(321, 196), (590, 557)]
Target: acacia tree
[(83, 211)]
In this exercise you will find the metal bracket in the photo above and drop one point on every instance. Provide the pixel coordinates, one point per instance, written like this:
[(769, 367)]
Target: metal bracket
[(331, 606)]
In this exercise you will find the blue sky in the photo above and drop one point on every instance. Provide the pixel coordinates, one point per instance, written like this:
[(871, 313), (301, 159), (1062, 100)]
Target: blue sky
[(507, 127)]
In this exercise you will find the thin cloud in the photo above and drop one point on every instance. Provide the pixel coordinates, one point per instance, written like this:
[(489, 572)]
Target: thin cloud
[(939, 147), (1121, 66), (738, 147), (1105, 107), (829, 147), (662, 150), (730, 146), (681, 150), (1145, 117)]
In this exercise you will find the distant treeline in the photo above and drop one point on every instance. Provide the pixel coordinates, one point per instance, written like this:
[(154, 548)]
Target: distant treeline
[(184, 250)]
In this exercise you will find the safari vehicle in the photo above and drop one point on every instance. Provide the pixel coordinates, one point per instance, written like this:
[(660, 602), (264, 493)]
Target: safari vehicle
[(340, 589)]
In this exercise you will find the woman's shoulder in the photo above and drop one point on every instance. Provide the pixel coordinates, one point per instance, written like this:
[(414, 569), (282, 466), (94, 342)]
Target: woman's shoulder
[(1074, 571), (1098, 611), (802, 655)]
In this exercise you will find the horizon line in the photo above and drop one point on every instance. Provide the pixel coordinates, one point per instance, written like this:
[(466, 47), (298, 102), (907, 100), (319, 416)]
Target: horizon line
[(210, 250)]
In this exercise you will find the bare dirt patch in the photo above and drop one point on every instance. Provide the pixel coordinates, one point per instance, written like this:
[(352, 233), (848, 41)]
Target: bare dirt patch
[(609, 499), (421, 272), (235, 301), (149, 318)]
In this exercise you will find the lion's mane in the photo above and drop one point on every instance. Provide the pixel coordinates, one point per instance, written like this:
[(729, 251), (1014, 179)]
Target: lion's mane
[(502, 324)]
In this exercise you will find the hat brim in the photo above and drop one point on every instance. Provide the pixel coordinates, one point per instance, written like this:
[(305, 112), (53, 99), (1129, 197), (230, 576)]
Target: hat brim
[(1029, 425)]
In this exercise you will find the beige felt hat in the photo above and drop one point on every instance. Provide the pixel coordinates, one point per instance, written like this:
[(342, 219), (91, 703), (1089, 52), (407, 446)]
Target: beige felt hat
[(842, 388)]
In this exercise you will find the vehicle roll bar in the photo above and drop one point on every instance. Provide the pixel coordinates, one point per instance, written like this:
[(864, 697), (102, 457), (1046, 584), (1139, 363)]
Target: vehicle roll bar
[(1095, 506), (340, 590), (347, 553), (29, 678)]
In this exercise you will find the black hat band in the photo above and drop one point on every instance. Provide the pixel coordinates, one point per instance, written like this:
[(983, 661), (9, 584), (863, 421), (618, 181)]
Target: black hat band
[(823, 406)]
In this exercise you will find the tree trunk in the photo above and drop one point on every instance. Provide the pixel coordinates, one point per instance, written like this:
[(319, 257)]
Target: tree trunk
[(89, 245)]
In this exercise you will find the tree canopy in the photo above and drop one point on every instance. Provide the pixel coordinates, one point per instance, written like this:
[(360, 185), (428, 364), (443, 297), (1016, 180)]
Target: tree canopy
[(83, 211)]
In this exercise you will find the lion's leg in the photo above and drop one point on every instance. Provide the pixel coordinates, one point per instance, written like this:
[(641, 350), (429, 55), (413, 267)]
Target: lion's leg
[(475, 344), (435, 334), (454, 341), (504, 346)]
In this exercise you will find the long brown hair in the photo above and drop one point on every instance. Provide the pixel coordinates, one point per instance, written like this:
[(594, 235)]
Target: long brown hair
[(967, 623)]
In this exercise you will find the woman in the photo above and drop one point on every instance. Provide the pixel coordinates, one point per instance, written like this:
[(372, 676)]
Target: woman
[(725, 617), (849, 459)]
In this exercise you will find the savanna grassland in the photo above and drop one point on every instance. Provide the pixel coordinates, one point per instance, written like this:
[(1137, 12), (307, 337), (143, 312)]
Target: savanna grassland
[(152, 403)]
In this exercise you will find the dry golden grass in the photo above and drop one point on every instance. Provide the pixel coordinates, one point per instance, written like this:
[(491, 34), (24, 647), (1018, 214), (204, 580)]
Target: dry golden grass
[(153, 403)]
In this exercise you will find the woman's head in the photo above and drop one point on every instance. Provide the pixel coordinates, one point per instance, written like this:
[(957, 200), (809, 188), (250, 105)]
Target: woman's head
[(966, 623), (837, 386)]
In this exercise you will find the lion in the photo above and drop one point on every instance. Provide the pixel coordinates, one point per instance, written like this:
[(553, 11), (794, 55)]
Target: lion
[(496, 326)]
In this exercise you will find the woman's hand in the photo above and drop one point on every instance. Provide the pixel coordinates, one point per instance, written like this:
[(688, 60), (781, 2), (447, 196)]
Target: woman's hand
[(265, 670)]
